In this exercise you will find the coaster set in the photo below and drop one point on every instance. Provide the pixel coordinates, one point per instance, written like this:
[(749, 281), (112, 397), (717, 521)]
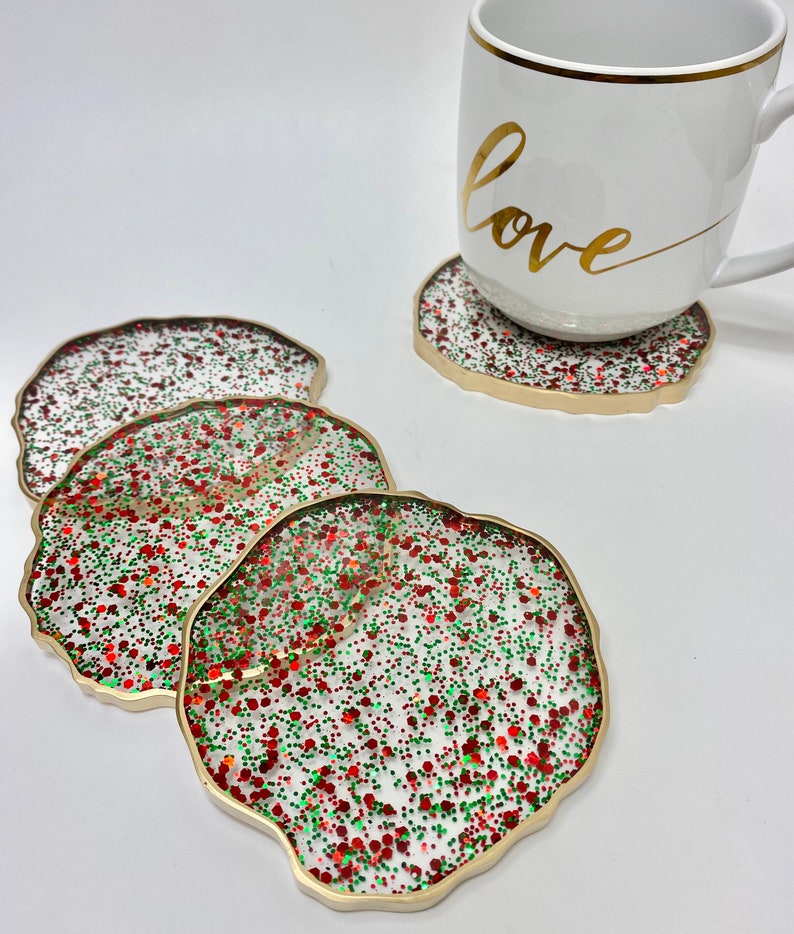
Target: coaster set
[(395, 690), (469, 341)]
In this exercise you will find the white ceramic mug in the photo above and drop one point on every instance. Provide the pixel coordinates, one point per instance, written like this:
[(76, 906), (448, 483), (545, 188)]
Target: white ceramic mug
[(604, 151)]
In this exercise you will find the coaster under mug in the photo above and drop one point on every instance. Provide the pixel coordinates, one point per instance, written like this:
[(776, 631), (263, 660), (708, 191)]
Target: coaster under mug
[(472, 343)]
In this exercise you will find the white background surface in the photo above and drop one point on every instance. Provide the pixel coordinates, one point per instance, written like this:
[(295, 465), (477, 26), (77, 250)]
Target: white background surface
[(294, 163)]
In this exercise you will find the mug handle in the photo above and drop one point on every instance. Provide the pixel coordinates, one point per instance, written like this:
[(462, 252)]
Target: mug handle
[(778, 106)]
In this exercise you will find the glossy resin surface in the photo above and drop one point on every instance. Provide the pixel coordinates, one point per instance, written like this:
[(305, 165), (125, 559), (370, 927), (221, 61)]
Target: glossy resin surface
[(394, 689), (96, 382), (472, 343), (148, 518)]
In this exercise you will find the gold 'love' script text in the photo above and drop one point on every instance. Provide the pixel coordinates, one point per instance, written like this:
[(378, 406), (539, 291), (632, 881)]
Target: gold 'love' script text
[(510, 225)]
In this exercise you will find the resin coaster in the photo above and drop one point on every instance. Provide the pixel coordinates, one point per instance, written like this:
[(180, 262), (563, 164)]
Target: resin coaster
[(146, 519), (394, 690), (94, 383), (467, 340)]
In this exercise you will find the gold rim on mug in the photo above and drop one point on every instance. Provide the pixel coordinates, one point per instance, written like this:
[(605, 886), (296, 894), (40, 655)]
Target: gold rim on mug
[(663, 74), (616, 77)]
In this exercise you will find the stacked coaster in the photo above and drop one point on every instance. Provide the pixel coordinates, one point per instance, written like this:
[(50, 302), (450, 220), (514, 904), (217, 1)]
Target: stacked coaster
[(394, 689), (469, 341), (96, 382), (147, 518), (423, 698)]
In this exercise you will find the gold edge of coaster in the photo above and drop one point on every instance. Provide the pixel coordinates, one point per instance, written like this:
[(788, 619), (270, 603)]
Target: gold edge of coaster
[(105, 694), (427, 898), (536, 397), (315, 389), (158, 697)]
